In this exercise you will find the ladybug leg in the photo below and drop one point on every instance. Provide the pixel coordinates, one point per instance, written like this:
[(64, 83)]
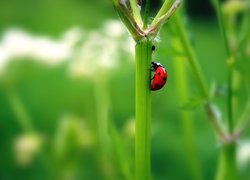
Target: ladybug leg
[(151, 70), (150, 82), (152, 78)]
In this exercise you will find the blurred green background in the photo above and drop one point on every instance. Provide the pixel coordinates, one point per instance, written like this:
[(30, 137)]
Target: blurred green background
[(67, 94)]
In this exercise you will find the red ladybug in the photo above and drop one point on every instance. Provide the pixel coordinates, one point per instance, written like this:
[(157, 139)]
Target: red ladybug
[(160, 77)]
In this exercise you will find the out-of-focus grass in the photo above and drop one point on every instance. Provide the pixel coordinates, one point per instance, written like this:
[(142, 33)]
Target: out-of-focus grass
[(49, 93), (53, 17)]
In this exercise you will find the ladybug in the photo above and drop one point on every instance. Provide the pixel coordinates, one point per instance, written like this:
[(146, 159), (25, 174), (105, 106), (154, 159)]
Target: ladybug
[(160, 77)]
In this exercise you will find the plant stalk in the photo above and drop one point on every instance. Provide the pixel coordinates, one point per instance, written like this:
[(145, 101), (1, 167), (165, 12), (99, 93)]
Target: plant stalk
[(164, 9), (187, 123), (20, 112), (227, 169), (143, 56), (200, 79), (102, 106), (202, 84), (146, 13), (136, 12), (128, 19), (230, 62), (101, 94)]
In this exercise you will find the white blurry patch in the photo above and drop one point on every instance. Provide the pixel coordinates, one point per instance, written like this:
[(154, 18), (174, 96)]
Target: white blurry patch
[(26, 147), (114, 29), (50, 52), (101, 51), (88, 52), (72, 36), (17, 44), (4, 56), (243, 153), (94, 54)]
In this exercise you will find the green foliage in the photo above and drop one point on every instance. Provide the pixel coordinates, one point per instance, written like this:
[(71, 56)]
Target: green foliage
[(63, 111)]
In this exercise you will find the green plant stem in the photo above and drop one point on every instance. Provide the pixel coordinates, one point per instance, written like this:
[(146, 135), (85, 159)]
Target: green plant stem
[(128, 20), (227, 169), (247, 82), (215, 121), (196, 69), (158, 22), (143, 57), (20, 111), (230, 62), (236, 82), (244, 119), (218, 9), (230, 95), (164, 9), (187, 121), (121, 154), (101, 96), (202, 85), (136, 12), (146, 13), (102, 106)]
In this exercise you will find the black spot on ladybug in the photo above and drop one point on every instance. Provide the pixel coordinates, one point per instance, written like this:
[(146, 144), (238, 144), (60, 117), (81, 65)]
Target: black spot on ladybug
[(158, 73), (153, 48), (156, 85), (164, 79)]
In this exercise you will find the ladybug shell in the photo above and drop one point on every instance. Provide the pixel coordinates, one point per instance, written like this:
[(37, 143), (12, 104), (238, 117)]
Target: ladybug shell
[(159, 79)]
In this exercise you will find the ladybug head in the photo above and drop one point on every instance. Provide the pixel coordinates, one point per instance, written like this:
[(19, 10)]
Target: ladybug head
[(155, 65)]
